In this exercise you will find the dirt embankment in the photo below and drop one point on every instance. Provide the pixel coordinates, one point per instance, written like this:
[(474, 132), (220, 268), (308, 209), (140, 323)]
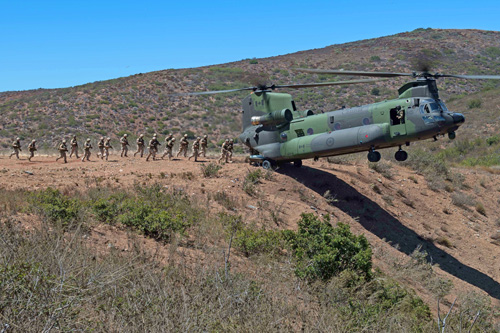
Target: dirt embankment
[(397, 215)]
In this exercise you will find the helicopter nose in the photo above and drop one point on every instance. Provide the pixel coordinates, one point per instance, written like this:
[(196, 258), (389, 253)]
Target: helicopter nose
[(458, 118)]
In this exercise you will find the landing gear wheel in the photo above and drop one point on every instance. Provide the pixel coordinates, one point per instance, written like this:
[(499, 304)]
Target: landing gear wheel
[(451, 135), (374, 156), (401, 156), (266, 165), (297, 163)]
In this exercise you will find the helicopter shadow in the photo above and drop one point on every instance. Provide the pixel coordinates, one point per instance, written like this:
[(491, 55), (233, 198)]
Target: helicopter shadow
[(385, 226)]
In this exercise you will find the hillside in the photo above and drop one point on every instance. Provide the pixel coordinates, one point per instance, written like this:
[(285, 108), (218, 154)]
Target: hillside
[(141, 103), (407, 221)]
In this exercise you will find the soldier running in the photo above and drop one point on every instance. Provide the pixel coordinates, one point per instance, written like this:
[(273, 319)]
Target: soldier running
[(107, 147), (153, 148), (86, 153), (100, 145), (168, 149), (230, 151), (32, 149), (62, 150), (224, 151), (140, 145), (204, 143), (167, 140), (183, 146), (16, 145), (196, 148), (74, 147), (124, 143)]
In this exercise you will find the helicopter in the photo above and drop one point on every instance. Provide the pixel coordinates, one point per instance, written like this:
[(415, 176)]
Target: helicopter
[(276, 132)]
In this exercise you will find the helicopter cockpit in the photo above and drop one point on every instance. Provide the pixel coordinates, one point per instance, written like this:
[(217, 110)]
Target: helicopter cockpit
[(432, 106)]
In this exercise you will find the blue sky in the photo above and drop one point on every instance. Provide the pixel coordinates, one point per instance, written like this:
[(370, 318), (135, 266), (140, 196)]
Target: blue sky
[(54, 44)]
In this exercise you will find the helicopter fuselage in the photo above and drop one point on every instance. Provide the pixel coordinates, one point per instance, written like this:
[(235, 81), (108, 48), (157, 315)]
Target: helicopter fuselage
[(380, 125)]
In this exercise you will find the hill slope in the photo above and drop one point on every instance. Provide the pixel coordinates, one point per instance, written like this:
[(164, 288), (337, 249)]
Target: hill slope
[(140, 103)]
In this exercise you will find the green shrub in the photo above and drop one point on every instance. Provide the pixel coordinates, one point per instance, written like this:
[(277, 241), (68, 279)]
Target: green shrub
[(474, 103), (251, 241), (210, 170), (493, 140), (55, 206), (322, 251)]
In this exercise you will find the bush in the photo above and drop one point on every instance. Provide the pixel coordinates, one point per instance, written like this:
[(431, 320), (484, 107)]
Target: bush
[(474, 103), (322, 251), (251, 241), (210, 170), (55, 207)]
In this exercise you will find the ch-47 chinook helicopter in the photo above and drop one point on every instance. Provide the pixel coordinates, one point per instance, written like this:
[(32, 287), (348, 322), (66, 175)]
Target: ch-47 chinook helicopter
[(276, 132)]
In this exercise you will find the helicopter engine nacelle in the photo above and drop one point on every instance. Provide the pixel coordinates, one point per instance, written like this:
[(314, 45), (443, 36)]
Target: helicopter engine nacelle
[(273, 118)]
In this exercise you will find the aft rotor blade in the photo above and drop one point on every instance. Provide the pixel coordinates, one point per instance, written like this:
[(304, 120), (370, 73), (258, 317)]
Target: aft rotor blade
[(212, 92), (473, 77), (358, 73), (322, 84)]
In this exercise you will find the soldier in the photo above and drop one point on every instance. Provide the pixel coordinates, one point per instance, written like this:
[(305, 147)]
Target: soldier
[(168, 149), (16, 145), (62, 150), (32, 149), (124, 143), (196, 148), (86, 153), (152, 147), (140, 145), (183, 146), (107, 147), (74, 147), (230, 148), (223, 151), (204, 143), (169, 138), (100, 145)]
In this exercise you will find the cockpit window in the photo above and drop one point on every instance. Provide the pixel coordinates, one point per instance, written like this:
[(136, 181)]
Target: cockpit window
[(443, 106), (430, 107)]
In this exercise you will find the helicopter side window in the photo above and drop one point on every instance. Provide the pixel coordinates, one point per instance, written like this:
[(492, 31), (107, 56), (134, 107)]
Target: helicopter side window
[(397, 116), (425, 109), (299, 132), (332, 119)]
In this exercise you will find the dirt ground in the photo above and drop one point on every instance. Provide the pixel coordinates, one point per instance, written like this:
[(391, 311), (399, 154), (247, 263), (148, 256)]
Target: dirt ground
[(397, 215)]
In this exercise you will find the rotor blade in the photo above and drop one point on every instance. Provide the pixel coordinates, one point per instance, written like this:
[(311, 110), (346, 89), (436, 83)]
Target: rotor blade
[(311, 85), (473, 77), (212, 92), (358, 73)]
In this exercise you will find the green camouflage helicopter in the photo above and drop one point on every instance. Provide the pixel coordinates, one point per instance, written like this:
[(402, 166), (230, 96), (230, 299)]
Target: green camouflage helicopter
[(276, 132)]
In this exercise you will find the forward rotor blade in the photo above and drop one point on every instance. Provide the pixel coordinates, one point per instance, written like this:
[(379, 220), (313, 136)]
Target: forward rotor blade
[(473, 77), (358, 73), (322, 84), (212, 92)]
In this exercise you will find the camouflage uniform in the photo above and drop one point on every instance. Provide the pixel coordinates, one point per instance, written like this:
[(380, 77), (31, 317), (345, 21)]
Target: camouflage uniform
[(168, 149), (124, 143), (196, 148), (62, 150), (16, 145), (204, 143), (86, 153), (230, 151), (32, 149), (140, 145), (153, 147), (100, 145), (107, 147), (183, 146), (223, 151), (167, 140), (74, 147)]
